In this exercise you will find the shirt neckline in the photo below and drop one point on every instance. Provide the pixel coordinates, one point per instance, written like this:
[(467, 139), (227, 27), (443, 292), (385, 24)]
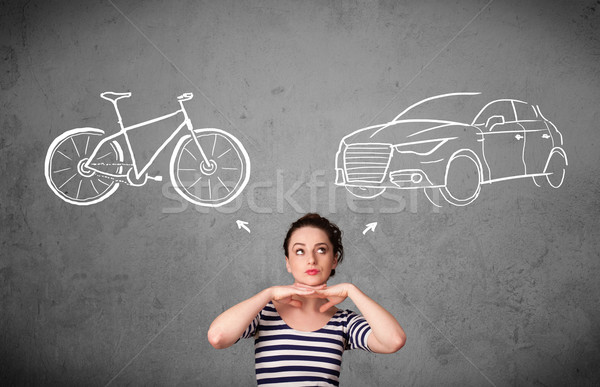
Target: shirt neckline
[(297, 330)]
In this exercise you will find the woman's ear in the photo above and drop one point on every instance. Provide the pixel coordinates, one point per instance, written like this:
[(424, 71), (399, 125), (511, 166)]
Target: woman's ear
[(287, 265), (335, 261)]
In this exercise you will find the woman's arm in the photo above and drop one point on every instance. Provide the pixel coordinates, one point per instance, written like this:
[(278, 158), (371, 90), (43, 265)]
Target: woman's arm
[(227, 328), (387, 336)]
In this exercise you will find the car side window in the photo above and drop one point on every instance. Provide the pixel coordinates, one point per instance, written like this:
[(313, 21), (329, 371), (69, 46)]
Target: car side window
[(495, 113), (525, 112)]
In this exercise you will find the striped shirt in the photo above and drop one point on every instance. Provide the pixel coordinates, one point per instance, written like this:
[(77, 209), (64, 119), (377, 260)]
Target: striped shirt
[(285, 356)]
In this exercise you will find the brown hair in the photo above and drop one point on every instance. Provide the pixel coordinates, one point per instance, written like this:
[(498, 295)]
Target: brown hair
[(317, 221)]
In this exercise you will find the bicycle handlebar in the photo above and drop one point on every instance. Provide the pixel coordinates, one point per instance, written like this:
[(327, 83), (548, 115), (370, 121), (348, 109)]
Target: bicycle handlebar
[(185, 97)]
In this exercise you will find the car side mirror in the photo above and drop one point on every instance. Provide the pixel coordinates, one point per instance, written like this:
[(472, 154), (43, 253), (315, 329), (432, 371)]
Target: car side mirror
[(494, 120)]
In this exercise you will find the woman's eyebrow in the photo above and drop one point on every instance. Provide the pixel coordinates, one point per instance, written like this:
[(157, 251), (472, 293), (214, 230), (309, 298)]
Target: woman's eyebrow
[(316, 244)]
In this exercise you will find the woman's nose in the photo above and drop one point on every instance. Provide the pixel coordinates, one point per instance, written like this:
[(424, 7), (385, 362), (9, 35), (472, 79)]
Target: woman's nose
[(311, 258)]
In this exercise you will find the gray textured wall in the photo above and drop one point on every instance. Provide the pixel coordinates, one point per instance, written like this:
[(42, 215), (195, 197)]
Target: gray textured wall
[(504, 291)]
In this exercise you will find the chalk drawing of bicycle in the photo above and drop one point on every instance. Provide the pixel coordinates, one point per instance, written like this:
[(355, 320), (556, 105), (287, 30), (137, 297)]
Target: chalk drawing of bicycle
[(208, 167)]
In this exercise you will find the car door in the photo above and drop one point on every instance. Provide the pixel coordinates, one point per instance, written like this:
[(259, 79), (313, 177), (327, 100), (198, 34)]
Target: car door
[(503, 140), (538, 139)]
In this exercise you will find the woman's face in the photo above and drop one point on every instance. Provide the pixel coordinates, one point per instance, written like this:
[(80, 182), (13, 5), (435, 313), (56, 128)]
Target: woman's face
[(311, 256)]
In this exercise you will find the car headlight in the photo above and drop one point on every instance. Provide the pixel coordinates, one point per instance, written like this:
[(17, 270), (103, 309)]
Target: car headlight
[(422, 148)]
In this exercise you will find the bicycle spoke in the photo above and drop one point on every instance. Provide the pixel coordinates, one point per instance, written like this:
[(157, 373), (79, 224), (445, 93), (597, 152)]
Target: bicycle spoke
[(222, 154), (63, 184), (65, 155), (187, 169), (229, 168), (62, 170), (186, 149), (78, 189), (209, 190), (214, 144), (100, 158), (106, 184), (94, 187), (221, 181), (86, 146), (196, 182), (75, 146)]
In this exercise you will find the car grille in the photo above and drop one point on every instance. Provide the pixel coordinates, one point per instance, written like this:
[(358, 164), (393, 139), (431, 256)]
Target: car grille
[(367, 163)]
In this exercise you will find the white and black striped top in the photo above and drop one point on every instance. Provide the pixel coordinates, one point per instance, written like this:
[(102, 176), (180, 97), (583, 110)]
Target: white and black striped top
[(285, 356)]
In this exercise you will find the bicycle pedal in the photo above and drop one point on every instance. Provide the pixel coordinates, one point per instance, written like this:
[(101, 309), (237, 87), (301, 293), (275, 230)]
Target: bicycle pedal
[(155, 178)]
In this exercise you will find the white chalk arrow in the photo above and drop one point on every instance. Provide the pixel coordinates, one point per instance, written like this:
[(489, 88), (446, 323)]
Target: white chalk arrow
[(241, 223), (370, 226)]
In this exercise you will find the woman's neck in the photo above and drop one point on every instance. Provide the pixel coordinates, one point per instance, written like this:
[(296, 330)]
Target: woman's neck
[(311, 304)]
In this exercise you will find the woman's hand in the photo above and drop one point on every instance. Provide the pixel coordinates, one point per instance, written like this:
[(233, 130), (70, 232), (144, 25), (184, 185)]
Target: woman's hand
[(334, 294), (284, 294)]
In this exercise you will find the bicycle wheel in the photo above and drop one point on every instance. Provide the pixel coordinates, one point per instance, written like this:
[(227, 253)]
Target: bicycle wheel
[(215, 183), (65, 169)]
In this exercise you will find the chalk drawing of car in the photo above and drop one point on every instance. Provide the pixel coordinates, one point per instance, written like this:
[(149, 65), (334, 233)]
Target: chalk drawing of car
[(507, 139)]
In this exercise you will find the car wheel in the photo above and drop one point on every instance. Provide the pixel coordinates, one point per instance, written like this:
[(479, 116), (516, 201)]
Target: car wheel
[(463, 179), (365, 192), (555, 169)]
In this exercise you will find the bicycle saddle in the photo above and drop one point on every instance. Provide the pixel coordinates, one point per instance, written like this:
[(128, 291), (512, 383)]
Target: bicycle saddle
[(110, 96)]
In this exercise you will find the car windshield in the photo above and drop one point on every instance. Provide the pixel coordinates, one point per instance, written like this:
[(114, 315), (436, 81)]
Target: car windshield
[(455, 107)]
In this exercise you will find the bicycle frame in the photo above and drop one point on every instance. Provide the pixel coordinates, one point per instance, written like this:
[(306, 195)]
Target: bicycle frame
[(95, 158)]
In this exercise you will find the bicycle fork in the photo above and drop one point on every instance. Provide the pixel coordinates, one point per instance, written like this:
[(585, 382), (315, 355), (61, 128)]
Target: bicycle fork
[(207, 165)]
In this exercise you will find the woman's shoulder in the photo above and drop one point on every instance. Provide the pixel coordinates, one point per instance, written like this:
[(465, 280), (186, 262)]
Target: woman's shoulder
[(346, 312), (269, 308), (346, 315)]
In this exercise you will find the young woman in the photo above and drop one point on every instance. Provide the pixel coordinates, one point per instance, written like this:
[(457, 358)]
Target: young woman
[(298, 332)]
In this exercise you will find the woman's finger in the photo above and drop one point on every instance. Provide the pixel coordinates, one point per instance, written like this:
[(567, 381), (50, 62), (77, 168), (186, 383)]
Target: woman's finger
[(295, 303), (325, 293), (326, 306), (320, 295), (290, 301)]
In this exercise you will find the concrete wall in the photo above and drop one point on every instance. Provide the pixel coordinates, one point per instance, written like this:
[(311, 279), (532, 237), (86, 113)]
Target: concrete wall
[(503, 291)]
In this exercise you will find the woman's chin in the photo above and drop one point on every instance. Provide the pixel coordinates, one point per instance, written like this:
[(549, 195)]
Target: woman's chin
[(312, 281)]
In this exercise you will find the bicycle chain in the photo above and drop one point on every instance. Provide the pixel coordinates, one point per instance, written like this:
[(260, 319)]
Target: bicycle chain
[(118, 164), (114, 164), (116, 180)]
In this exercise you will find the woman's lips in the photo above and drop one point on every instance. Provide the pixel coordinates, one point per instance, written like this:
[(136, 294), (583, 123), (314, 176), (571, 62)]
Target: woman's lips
[(312, 272)]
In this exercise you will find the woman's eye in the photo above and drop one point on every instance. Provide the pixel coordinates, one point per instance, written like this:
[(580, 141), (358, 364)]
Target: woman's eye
[(299, 252), (322, 250)]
